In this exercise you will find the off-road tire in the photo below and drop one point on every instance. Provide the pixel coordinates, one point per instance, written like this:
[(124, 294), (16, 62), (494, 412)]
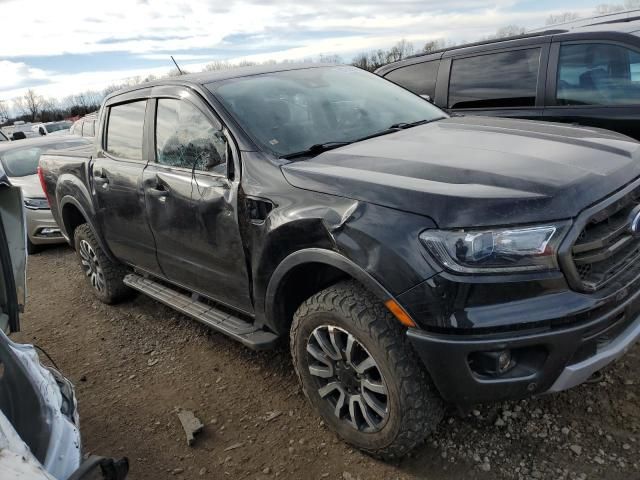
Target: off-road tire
[(113, 273), (414, 407)]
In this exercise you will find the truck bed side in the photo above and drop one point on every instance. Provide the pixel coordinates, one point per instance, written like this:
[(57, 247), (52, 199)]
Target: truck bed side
[(67, 186)]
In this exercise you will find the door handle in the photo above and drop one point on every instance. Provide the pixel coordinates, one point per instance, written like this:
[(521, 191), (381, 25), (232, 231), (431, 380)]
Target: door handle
[(100, 178), (160, 192)]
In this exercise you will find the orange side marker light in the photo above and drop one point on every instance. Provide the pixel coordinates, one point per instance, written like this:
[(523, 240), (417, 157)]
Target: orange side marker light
[(399, 312)]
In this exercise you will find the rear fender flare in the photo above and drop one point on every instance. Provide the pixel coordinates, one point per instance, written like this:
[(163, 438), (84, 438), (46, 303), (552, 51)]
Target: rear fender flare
[(70, 200)]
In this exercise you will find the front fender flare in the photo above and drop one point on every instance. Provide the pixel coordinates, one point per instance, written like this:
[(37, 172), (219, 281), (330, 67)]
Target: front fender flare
[(322, 256)]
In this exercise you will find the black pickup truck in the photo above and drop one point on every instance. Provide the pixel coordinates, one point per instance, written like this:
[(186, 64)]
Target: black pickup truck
[(411, 258)]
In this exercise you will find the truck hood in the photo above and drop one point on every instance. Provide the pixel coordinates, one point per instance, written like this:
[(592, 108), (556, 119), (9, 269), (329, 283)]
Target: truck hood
[(477, 171), (30, 186)]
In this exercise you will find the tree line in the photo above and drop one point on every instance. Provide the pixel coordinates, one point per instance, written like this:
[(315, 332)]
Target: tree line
[(32, 107)]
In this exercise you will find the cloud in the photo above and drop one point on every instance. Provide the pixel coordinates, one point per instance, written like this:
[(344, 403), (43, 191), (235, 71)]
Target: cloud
[(206, 30), (13, 74)]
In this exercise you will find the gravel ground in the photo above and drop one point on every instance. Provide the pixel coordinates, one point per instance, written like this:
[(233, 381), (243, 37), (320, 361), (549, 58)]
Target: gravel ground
[(135, 364)]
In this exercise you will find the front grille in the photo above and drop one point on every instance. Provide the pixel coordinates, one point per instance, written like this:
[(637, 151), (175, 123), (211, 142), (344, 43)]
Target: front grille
[(605, 247)]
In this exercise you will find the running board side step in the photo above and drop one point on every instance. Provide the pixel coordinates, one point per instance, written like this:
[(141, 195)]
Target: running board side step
[(219, 320)]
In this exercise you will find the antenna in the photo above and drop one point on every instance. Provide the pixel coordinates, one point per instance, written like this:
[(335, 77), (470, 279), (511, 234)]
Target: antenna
[(177, 66)]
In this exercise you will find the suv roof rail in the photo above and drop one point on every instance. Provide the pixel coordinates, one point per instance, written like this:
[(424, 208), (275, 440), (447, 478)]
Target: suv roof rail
[(488, 42), (604, 19)]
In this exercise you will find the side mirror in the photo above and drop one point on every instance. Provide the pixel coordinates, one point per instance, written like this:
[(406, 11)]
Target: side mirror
[(42, 131), (427, 98)]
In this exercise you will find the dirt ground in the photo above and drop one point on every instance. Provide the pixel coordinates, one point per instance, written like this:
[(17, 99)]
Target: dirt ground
[(136, 363)]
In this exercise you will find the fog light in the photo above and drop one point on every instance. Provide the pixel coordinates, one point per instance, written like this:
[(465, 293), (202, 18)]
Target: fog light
[(491, 363), (49, 232), (504, 361)]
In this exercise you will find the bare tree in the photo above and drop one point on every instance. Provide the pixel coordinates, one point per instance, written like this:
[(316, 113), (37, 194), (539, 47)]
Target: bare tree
[(400, 50), (433, 45), (606, 8), (508, 31), (361, 61), (29, 104), (4, 111), (561, 18), (330, 58)]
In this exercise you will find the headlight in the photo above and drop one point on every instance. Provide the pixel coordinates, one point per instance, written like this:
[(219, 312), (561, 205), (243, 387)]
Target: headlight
[(36, 203), (499, 250)]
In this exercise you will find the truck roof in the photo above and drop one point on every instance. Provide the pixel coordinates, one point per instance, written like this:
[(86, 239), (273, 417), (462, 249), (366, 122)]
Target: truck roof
[(204, 78)]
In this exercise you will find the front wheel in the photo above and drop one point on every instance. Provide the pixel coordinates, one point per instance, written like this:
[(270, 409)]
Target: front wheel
[(360, 374), (104, 276)]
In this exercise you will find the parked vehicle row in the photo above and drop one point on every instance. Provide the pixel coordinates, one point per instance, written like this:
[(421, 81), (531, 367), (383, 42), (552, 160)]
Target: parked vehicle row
[(85, 126), (587, 75), (19, 161), (409, 257)]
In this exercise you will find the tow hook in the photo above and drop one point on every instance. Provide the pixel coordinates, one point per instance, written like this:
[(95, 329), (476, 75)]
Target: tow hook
[(596, 377)]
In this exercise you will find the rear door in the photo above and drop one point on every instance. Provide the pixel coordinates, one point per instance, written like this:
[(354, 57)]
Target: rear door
[(503, 83), (191, 200), (595, 83), (116, 175), (13, 256)]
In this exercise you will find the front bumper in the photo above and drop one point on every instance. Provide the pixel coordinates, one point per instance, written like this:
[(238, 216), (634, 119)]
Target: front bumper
[(545, 359), (42, 228)]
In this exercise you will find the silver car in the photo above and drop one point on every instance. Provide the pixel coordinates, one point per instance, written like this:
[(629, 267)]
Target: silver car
[(20, 162)]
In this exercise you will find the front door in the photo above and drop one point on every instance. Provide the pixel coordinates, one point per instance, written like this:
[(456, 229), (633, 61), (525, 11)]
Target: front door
[(595, 84), (191, 202), (116, 174)]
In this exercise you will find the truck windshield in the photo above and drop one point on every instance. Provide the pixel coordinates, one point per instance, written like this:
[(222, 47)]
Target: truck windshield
[(290, 111), (55, 127)]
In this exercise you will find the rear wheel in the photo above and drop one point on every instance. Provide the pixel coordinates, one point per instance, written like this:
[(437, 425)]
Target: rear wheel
[(104, 276), (360, 374)]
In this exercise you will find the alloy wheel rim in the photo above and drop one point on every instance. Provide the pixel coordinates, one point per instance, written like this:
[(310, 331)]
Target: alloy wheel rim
[(348, 378), (92, 268)]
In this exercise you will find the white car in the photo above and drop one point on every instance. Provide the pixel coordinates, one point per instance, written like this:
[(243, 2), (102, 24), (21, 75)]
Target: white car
[(52, 128)]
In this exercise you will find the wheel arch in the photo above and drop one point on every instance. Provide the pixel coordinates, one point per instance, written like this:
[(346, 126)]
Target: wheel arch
[(306, 272), (73, 215)]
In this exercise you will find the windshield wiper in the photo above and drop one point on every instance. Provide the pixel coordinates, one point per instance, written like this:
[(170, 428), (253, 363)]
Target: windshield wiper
[(323, 147), (316, 149), (398, 126), (405, 125)]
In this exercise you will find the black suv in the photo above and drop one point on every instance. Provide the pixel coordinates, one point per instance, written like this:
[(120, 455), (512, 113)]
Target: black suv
[(327, 206), (585, 73)]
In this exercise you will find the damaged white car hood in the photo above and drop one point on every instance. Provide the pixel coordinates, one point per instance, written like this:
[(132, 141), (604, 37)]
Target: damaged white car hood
[(61, 454)]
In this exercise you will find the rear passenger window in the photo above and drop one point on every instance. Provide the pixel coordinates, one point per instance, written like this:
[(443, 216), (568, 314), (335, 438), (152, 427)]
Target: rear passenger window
[(497, 80), (598, 74), (88, 129), (419, 78), (124, 131), (186, 138)]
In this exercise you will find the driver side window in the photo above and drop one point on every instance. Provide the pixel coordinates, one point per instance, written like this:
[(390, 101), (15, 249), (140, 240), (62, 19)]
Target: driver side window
[(186, 138)]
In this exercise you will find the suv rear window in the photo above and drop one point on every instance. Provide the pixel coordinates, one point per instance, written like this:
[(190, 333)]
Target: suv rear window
[(598, 74), (496, 80), (124, 131), (419, 78)]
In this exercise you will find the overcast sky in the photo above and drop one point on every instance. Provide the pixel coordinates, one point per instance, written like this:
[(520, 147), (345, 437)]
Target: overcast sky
[(61, 47)]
